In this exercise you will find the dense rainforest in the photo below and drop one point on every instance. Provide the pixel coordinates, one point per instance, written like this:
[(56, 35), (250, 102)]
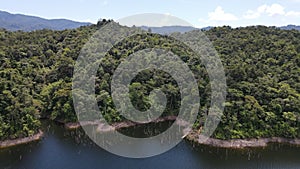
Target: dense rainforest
[(262, 66)]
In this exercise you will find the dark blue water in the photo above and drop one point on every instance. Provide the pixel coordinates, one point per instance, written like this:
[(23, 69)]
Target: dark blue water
[(62, 149)]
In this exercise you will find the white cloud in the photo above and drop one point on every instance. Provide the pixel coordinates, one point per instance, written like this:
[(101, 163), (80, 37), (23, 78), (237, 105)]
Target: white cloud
[(293, 14), (250, 14), (268, 14), (270, 10), (262, 8), (220, 15), (275, 9)]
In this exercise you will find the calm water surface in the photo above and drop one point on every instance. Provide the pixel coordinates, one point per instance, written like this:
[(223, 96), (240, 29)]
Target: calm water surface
[(62, 149)]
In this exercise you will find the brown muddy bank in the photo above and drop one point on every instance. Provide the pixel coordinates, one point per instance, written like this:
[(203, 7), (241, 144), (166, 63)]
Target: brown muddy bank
[(15, 142), (193, 136), (240, 143)]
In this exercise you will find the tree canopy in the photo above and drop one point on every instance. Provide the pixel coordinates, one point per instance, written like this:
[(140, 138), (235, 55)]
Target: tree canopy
[(262, 66)]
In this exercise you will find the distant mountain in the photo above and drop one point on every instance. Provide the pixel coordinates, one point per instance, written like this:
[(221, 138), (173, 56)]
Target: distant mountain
[(14, 22), (169, 29), (166, 30), (290, 27), (207, 28)]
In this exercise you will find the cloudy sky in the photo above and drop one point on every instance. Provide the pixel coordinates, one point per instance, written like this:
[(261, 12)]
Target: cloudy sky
[(199, 13)]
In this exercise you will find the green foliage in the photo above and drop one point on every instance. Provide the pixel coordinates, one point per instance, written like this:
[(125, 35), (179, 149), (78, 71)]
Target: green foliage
[(263, 77), (262, 66)]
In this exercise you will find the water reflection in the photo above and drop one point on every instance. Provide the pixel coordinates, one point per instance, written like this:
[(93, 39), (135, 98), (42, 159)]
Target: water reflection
[(61, 149)]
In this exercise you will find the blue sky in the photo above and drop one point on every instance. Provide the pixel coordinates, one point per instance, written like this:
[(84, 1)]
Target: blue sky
[(198, 13)]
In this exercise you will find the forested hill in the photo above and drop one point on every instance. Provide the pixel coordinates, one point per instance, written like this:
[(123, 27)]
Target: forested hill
[(262, 66), (16, 22)]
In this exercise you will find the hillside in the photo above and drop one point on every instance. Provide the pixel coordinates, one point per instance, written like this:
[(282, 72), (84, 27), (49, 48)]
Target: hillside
[(262, 67), (14, 22)]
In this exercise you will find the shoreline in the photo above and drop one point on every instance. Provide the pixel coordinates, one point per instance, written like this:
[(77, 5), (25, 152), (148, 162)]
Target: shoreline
[(240, 143), (193, 136), (19, 141)]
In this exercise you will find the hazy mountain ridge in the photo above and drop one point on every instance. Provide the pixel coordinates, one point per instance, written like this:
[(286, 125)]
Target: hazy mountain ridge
[(166, 30), (169, 29), (14, 22), (290, 27)]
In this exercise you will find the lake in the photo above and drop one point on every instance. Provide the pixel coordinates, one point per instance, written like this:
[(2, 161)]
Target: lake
[(63, 149)]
